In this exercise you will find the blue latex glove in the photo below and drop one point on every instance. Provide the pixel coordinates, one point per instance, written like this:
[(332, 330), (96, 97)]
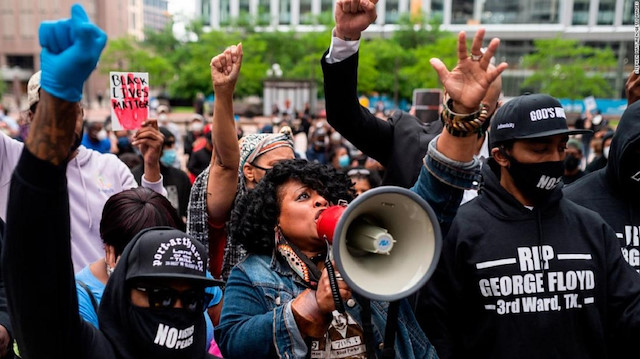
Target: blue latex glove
[(70, 51)]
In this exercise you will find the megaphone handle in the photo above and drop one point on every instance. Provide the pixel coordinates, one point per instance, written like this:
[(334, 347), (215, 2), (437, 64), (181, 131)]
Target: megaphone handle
[(333, 283), (390, 331), (367, 326)]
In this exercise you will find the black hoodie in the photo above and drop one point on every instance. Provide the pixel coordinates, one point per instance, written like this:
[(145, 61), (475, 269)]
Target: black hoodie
[(38, 273), (518, 283), (610, 192)]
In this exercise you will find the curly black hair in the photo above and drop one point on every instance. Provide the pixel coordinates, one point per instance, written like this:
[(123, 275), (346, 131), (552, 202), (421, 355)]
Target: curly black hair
[(256, 214)]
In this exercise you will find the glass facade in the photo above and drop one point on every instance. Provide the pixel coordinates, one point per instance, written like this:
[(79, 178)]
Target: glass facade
[(285, 12), (580, 12), (473, 12), (520, 12), (264, 13), (606, 12), (306, 17), (391, 12), (627, 12)]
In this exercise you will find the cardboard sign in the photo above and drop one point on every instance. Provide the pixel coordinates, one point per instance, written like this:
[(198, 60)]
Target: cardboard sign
[(129, 99)]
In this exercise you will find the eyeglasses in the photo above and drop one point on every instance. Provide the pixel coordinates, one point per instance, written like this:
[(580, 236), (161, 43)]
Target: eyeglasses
[(161, 297), (259, 167)]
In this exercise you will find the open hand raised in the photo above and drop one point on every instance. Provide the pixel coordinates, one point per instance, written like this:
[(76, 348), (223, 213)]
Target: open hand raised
[(468, 82)]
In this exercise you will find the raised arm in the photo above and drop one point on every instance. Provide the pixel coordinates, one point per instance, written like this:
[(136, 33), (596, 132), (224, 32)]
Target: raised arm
[(223, 172), (372, 135), (467, 86), (38, 227), (472, 91)]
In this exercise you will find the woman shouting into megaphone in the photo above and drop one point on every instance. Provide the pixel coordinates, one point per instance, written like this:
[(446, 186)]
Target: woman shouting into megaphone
[(278, 300)]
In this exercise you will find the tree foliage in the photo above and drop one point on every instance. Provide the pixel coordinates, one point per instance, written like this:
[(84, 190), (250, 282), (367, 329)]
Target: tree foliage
[(395, 66), (566, 69)]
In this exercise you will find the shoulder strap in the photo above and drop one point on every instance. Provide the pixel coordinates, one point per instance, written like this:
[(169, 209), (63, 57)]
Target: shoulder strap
[(94, 302)]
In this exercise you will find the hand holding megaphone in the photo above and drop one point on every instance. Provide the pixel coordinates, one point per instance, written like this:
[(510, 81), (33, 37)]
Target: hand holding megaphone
[(386, 243), (324, 295)]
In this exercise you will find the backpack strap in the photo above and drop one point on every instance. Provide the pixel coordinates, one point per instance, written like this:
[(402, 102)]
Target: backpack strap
[(94, 302)]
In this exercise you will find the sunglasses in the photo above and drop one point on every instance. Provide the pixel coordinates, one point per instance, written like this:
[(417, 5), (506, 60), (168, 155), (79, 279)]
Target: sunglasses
[(162, 297)]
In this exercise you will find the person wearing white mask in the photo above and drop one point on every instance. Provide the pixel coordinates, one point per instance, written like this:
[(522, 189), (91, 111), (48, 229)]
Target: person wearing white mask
[(96, 138)]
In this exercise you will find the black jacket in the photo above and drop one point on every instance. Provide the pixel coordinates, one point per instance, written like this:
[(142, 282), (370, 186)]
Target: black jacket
[(38, 273), (399, 143), (493, 297), (610, 191)]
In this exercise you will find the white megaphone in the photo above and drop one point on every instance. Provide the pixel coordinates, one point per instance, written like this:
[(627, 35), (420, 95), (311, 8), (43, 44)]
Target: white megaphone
[(386, 243)]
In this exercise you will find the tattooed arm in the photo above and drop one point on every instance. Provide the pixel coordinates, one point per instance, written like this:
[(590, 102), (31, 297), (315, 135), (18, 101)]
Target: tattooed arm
[(53, 128)]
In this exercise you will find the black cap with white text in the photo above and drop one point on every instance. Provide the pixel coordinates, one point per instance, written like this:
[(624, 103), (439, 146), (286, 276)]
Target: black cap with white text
[(529, 116)]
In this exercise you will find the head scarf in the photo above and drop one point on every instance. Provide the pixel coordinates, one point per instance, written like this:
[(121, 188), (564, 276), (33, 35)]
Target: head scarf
[(251, 147), (256, 145)]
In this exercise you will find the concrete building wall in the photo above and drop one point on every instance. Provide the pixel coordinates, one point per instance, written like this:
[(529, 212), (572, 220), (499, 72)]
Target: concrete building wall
[(19, 46)]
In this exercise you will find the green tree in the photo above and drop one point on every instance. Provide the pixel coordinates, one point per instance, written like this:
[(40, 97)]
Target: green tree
[(567, 69), (163, 41), (417, 30), (125, 54), (3, 87), (420, 74)]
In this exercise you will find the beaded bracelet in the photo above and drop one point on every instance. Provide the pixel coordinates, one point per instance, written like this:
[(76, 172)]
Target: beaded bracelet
[(462, 125)]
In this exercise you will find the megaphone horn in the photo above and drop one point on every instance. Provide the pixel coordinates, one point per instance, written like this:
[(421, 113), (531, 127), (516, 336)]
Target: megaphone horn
[(386, 243)]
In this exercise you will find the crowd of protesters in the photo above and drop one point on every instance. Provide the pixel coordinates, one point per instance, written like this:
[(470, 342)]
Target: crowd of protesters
[(216, 254)]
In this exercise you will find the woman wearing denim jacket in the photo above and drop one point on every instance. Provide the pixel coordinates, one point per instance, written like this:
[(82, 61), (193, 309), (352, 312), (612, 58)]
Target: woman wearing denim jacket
[(278, 299)]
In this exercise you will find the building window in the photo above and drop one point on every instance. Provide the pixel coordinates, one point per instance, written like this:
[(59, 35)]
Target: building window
[(306, 17), (461, 11), (627, 12), (285, 12), (205, 10), (391, 12), (21, 61), (606, 12), (520, 12), (264, 12), (437, 7), (580, 12), (224, 13)]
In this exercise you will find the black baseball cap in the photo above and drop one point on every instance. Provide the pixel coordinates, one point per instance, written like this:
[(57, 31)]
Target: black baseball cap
[(529, 116), (167, 253)]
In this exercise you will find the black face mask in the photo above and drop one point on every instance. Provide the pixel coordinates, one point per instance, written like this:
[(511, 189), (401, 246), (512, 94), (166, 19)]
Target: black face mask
[(536, 181), (169, 332), (571, 162)]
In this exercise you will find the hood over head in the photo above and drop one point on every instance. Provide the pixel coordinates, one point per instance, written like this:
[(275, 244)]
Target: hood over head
[(157, 252), (624, 162)]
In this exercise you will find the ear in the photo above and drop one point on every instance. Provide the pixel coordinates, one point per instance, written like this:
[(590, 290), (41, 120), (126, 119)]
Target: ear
[(247, 171), (499, 157), (110, 255)]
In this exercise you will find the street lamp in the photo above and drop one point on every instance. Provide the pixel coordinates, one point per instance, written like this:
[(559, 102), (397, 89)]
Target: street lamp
[(274, 71)]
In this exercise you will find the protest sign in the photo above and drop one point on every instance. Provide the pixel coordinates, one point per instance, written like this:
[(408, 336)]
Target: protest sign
[(129, 99)]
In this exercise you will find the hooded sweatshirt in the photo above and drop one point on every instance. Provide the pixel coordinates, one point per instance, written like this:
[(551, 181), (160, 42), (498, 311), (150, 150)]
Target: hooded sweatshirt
[(56, 328), (93, 177), (513, 282), (612, 192)]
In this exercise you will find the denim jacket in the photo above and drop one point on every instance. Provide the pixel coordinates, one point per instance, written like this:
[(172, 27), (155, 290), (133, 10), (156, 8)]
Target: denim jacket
[(442, 182), (257, 321)]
